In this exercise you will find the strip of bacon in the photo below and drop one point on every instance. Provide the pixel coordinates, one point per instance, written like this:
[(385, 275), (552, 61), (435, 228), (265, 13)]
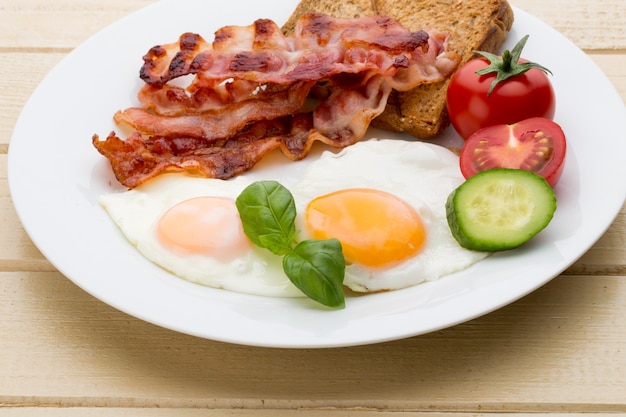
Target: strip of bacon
[(217, 125), (137, 159), (320, 47)]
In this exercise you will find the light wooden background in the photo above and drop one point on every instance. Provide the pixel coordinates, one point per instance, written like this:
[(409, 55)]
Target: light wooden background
[(561, 349)]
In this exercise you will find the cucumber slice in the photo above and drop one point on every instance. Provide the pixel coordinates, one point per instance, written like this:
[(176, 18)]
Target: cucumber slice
[(500, 209)]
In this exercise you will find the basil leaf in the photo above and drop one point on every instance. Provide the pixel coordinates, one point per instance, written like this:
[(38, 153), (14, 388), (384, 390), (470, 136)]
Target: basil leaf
[(267, 212), (317, 268)]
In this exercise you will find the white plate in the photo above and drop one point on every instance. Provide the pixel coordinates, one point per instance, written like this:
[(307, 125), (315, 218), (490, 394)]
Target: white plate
[(55, 177)]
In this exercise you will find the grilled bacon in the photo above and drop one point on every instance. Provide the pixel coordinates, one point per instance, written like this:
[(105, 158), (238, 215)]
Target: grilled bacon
[(253, 77)]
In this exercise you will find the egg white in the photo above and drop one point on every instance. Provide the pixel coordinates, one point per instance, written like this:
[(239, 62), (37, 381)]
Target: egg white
[(137, 211), (421, 174)]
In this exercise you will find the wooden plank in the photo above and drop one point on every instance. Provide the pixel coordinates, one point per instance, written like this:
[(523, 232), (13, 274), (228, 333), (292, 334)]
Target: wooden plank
[(19, 76), (17, 252), (613, 65), (64, 24), (186, 412), (608, 255), (590, 24), (68, 349)]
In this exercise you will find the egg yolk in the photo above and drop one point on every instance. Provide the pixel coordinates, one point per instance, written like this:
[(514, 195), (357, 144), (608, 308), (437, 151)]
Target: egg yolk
[(204, 225), (375, 228)]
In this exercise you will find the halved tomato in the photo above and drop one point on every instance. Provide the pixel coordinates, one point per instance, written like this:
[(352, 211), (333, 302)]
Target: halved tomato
[(536, 144)]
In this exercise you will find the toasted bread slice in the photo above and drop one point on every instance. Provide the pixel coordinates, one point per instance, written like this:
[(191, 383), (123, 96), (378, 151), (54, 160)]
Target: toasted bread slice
[(472, 24)]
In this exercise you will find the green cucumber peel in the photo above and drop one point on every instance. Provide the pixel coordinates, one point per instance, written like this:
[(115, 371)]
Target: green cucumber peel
[(500, 209), (316, 267)]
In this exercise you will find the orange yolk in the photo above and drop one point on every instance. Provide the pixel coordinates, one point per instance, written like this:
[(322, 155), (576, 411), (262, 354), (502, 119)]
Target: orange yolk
[(204, 225), (375, 228)]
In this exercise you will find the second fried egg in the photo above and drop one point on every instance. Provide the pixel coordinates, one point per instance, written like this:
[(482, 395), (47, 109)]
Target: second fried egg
[(385, 201)]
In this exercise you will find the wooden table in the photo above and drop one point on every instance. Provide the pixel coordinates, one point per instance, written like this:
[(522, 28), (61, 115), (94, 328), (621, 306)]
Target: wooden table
[(561, 349)]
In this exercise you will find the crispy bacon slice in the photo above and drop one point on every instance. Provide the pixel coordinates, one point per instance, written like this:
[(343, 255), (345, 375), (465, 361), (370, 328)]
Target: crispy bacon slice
[(137, 159), (249, 88), (215, 125), (321, 47)]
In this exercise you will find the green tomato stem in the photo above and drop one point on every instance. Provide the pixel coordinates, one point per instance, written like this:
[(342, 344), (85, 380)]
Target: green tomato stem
[(507, 65)]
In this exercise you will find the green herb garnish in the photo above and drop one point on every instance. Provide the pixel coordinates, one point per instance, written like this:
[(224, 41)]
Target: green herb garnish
[(316, 267)]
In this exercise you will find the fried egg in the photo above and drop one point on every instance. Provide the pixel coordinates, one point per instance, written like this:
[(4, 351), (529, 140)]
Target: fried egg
[(385, 202), (191, 227)]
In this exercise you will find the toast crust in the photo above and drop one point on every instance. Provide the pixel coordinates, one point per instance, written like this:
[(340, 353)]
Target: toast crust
[(472, 25)]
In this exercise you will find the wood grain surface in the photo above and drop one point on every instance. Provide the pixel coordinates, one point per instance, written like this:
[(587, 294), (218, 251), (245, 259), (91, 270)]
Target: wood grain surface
[(559, 350)]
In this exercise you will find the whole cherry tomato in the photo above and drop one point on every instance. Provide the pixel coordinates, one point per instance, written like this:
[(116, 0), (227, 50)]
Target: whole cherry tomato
[(498, 90), (536, 144)]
